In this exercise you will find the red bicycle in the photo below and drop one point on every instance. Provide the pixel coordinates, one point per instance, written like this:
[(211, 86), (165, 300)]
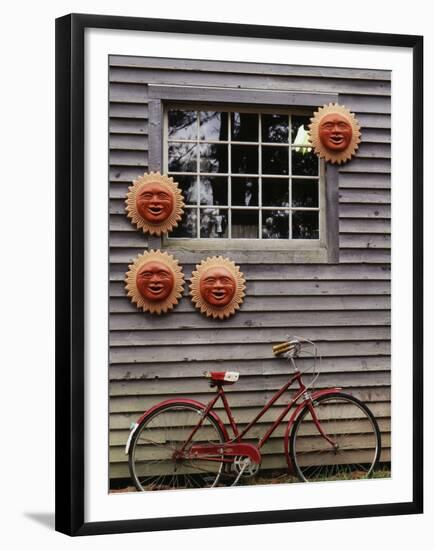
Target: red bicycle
[(182, 443)]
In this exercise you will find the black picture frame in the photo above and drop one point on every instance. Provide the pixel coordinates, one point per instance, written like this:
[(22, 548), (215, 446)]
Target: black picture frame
[(70, 283)]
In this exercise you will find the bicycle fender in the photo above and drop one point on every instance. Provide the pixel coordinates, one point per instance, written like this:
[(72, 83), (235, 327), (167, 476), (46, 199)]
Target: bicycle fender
[(171, 402), (130, 437), (295, 414)]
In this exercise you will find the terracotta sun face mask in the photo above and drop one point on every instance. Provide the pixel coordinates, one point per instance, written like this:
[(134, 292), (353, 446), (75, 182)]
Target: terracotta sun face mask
[(217, 287), (154, 203), (334, 133), (154, 281)]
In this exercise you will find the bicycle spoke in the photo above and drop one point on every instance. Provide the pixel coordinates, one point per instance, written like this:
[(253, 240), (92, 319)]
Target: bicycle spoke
[(156, 481), (154, 461), (346, 422)]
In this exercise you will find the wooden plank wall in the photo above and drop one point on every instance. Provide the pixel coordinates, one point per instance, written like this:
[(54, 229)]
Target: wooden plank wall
[(345, 308)]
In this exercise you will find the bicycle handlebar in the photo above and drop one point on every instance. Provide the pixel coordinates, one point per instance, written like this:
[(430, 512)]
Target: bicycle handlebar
[(291, 348)]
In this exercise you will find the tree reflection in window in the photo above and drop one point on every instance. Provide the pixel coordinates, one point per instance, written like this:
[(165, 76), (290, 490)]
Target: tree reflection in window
[(244, 175)]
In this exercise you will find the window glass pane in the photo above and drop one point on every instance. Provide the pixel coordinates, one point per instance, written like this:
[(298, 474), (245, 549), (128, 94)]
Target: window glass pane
[(275, 192), (182, 157), (213, 223), (244, 191), (275, 224), (228, 192), (305, 193), (187, 227), (213, 158), (275, 128), (182, 124), (244, 159), (245, 224), (244, 127), (274, 160), (214, 190), (213, 126), (299, 127), (305, 225), (304, 163), (188, 186)]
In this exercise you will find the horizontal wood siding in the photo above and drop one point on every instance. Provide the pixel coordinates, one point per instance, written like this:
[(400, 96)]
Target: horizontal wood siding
[(344, 307)]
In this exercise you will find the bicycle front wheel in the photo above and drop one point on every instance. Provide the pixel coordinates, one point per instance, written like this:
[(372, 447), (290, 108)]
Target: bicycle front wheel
[(154, 461), (352, 445)]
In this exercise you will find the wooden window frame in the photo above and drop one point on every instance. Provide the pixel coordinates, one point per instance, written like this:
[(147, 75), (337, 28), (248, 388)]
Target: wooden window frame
[(325, 250)]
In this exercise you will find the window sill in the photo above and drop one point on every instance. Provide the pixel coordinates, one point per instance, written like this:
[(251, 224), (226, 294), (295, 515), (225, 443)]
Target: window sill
[(247, 251)]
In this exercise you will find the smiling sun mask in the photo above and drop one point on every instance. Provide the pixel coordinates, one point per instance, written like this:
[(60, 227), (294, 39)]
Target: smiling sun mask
[(334, 133), (154, 203), (217, 287), (154, 281)]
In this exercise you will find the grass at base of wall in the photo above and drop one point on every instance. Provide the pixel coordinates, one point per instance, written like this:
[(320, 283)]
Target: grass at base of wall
[(268, 477), (283, 477)]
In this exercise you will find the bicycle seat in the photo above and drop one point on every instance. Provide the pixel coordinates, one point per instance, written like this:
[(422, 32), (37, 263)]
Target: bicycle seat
[(223, 377)]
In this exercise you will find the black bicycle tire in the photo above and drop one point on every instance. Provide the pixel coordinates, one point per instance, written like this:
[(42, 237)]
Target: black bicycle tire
[(158, 410), (304, 412)]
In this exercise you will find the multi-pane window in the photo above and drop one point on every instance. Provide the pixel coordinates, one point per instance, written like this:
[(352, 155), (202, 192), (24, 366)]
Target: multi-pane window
[(244, 175)]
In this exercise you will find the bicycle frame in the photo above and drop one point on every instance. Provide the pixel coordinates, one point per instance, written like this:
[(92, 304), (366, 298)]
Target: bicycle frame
[(234, 446)]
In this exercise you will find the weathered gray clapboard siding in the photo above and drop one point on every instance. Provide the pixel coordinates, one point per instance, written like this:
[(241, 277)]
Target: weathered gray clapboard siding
[(195, 65), (129, 142), (138, 403), (364, 196), (120, 76), (357, 210), (287, 272), (121, 423), (247, 383), (238, 336), (245, 257), (350, 225), (364, 181), (276, 438), (344, 307), (132, 127), (216, 350), (144, 371), (302, 288), (118, 436), (280, 303), (274, 446)]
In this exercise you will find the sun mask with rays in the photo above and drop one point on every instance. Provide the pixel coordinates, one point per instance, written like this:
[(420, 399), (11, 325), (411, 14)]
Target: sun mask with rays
[(217, 287), (334, 133), (154, 281), (154, 203)]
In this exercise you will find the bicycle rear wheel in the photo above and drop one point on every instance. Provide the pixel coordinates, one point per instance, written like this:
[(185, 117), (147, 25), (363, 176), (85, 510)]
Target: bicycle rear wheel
[(153, 462), (350, 425)]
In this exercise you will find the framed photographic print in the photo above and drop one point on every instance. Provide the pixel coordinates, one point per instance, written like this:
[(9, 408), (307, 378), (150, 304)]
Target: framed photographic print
[(238, 274)]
